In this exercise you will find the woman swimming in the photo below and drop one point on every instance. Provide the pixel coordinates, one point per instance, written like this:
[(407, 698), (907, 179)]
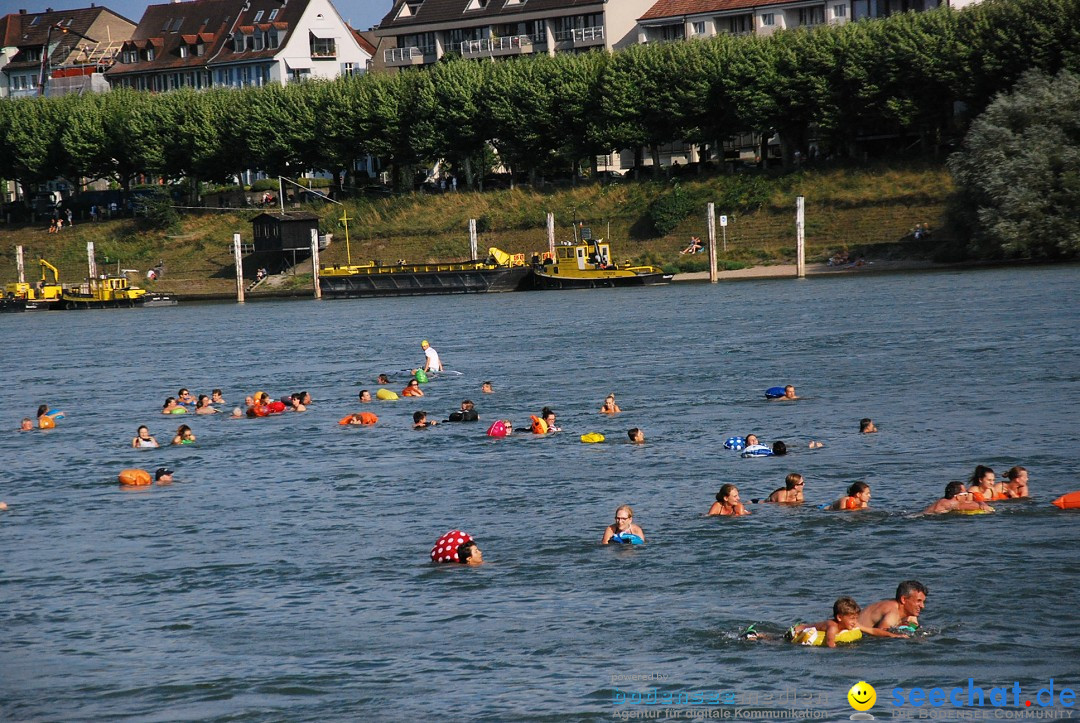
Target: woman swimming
[(1016, 487), (413, 389), (981, 484), (184, 435), (727, 502), (203, 406), (610, 407), (858, 498), (170, 406), (624, 530), (142, 439)]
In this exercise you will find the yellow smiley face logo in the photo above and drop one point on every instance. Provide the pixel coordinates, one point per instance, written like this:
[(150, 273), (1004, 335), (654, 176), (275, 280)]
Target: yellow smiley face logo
[(862, 696)]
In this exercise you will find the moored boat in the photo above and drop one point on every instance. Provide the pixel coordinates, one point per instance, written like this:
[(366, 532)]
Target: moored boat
[(111, 292), (499, 272), (39, 296), (588, 264)]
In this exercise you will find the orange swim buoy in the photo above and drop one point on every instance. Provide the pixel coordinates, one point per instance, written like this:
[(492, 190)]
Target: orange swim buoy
[(46, 422), (134, 477), (539, 426), (1068, 501), (368, 418)]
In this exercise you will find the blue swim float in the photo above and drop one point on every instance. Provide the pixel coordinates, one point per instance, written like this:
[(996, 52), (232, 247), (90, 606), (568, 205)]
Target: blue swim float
[(757, 450), (627, 538), (774, 392), (736, 443)]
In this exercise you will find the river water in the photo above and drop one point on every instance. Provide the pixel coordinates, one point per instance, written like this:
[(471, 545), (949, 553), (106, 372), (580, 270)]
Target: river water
[(285, 575)]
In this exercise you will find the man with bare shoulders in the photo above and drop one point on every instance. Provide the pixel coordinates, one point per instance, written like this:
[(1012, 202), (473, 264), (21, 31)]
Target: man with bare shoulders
[(904, 610), (956, 499)]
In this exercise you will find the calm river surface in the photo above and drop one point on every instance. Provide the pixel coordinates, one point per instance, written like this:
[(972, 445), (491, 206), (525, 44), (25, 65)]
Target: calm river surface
[(285, 575)]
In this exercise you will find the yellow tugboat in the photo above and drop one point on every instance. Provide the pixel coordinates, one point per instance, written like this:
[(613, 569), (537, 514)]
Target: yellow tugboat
[(42, 295), (588, 264)]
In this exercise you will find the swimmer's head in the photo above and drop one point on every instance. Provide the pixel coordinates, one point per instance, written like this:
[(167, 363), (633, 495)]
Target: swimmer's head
[(486, 387), (26, 424), (866, 426), (793, 480), (419, 417), (169, 401), (163, 474), (953, 489), (858, 488), (365, 395), (383, 379), (789, 391), (636, 435), (982, 476), (728, 494), (1017, 473), (237, 412), (44, 408), (911, 596), (751, 439), (469, 554), (846, 612), (779, 449)]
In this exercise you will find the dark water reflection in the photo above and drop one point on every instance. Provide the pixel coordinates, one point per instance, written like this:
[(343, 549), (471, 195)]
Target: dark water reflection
[(285, 575)]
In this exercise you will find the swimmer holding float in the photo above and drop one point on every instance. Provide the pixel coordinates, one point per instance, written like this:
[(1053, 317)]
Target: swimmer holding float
[(624, 531)]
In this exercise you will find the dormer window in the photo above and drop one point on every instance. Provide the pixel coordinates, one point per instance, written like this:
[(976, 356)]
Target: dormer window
[(239, 43), (273, 14), (258, 17), (35, 21), (476, 5), (30, 55), (130, 56), (183, 49), (272, 39)]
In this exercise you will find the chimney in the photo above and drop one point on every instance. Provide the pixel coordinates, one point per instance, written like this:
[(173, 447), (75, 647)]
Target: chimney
[(22, 11)]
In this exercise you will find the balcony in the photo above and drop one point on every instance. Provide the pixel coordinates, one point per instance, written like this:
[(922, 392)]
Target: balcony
[(400, 57), (495, 47), (589, 37)]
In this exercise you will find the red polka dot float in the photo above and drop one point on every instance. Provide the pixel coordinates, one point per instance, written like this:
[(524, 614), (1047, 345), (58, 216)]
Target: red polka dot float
[(445, 550)]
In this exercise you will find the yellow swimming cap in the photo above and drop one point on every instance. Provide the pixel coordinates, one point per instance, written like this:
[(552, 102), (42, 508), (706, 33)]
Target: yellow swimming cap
[(424, 343)]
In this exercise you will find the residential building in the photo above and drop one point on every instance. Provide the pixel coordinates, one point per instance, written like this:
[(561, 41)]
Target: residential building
[(420, 32), (681, 19), (238, 43), (70, 48)]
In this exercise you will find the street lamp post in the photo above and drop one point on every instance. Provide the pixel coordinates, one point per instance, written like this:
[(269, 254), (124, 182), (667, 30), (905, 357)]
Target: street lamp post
[(43, 75)]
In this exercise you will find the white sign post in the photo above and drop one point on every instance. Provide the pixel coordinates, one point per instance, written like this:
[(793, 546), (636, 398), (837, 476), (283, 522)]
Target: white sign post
[(723, 230)]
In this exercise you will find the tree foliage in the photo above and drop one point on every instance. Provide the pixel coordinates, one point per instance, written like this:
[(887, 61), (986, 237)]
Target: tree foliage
[(1018, 172)]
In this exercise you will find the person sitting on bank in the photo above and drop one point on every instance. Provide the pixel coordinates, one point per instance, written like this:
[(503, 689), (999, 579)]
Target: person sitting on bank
[(694, 247)]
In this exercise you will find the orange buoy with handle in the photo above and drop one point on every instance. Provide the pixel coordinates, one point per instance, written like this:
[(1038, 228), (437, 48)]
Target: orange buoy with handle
[(134, 477), (1068, 501), (539, 426)]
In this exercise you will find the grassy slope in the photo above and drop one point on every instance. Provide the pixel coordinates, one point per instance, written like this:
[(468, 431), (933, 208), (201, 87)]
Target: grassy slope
[(868, 211)]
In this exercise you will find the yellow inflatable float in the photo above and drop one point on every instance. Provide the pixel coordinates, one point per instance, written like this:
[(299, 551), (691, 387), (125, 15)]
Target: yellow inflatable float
[(592, 438), (386, 395), (813, 636)]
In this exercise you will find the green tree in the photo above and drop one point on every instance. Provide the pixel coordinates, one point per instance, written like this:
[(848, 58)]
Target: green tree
[(459, 128), (1018, 172)]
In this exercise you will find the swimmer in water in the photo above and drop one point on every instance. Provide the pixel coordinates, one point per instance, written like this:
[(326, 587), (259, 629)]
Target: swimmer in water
[(980, 486), (953, 501), (789, 394), (858, 498), (904, 609), (792, 491), (203, 406), (365, 396), (163, 476), (237, 413), (26, 425), (727, 503), (469, 554), (305, 398), (3, 505), (249, 401), (610, 407), (866, 426), (142, 439), (413, 389), (45, 418), (779, 449), (549, 418), (751, 440), (184, 397), (623, 528), (846, 614), (485, 388), (169, 405), (295, 404), (216, 398), (1016, 485), (383, 379), (184, 435), (420, 421), (636, 435)]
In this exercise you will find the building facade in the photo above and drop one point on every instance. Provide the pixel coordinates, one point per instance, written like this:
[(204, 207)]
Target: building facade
[(420, 32), (238, 43), (69, 49)]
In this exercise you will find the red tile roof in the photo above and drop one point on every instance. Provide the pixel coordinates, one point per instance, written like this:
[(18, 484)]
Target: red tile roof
[(365, 44), (19, 30), (679, 8)]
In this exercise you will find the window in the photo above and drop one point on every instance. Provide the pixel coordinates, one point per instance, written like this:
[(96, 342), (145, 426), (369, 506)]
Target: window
[(165, 27), (37, 18), (69, 22), (259, 39), (183, 51), (699, 28), (148, 54), (273, 14), (811, 16), (839, 11), (740, 24), (30, 55), (536, 31), (130, 56), (272, 38), (239, 42), (348, 69), (258, 17), (176, 24), (768, 19), (323, 47)]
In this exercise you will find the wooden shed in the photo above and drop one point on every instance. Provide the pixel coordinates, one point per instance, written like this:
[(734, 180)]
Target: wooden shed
[(284, 232)]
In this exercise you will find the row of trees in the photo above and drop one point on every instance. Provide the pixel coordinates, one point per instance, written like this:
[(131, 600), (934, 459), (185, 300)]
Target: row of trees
[(904, 75)]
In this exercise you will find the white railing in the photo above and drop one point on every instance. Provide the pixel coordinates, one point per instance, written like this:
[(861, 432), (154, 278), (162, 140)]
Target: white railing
[(595, 32), (399, 55), (487, 45)]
